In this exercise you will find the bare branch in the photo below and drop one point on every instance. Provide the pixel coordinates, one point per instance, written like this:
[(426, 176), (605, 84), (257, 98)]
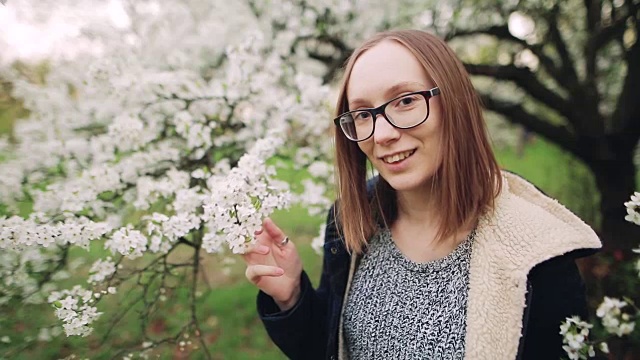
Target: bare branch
[(567, 64), (115, 320), (335, 60), (48, 274), (336, 42), (599, 39), (194, 290), (334, 68), (627, 109), (526, 80), (325, 59), (593, 14), (183, 240), (515, 113), (502, 32)]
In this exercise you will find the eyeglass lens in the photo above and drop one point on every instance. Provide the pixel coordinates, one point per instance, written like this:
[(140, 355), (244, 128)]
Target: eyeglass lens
[(405, 112)]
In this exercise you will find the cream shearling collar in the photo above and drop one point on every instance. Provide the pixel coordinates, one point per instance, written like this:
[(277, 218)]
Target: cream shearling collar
[(524, 229)]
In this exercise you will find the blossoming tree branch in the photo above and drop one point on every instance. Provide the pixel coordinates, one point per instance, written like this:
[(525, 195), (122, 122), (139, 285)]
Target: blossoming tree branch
[(618, 317), (164, 141)]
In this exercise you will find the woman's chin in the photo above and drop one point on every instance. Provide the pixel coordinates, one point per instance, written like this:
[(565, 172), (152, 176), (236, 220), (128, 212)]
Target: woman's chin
[(408, 185)]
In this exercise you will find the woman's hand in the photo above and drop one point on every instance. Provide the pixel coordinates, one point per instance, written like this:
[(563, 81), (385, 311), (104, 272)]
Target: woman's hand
[(273, 267)]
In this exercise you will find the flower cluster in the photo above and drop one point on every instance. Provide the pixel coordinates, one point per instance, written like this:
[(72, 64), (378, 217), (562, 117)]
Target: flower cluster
[(40, 231), (633, 209), (74, 308), (101, 270), (575, 334), (613, 312), (633, 216), (614, 319), (240, 200)]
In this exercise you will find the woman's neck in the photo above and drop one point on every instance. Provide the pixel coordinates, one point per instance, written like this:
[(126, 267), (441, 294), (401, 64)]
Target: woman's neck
[(417, 226), (418, 206)]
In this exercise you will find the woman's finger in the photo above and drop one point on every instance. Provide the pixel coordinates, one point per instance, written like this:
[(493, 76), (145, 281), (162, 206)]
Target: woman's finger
[(254, 272), (274, 232), (257, 248), (257, 254)]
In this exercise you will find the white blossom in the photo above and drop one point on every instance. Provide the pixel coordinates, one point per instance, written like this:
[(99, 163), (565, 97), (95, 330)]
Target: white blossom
[(18, 233), (48, 333), (604, 347), (74, 309), (314, 197), (318, 241), (319, 169), (633, 208), (101, 269), (614, 320), (240, 201), (575, 333), (128, 242)]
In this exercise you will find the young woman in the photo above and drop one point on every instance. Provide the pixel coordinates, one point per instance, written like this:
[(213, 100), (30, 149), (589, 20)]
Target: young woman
[(441, 256)]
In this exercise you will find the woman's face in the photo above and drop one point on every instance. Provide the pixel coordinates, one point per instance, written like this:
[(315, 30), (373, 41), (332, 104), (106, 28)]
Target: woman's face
[(406, 158)]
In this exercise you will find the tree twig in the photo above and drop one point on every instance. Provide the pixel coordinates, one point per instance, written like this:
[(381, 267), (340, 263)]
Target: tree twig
[(559, 135), (526, 80)]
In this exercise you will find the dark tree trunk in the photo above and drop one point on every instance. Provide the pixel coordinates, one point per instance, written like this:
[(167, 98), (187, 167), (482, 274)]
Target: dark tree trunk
[(615, 180)]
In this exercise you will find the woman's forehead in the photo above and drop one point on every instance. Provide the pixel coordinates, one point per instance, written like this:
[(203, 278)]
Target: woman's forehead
[(389, 92), (382, 68)]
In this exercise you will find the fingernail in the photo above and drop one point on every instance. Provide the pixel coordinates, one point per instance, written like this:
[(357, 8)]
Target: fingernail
[(279, 271), (263, 249)]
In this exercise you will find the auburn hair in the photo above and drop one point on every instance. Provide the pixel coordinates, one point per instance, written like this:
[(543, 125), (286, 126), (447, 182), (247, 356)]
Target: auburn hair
[(468, 179)]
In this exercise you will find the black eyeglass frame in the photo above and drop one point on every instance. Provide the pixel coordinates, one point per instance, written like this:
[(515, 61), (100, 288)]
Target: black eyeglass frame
[(374, 112)]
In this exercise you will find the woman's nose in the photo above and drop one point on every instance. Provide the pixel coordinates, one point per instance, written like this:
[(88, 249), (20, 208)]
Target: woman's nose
[(384, 132)]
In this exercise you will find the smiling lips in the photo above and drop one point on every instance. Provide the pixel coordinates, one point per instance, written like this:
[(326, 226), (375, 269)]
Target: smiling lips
[(390, 159)]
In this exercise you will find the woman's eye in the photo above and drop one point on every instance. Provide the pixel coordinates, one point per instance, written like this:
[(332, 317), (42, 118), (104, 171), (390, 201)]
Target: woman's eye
[(407, 100), (362, 116)]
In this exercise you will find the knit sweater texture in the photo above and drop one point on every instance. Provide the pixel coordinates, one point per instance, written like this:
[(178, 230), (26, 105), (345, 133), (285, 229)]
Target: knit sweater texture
[(401, 309)]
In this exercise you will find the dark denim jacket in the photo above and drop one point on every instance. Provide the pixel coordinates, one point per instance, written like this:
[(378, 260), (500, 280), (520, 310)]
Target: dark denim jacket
[(310, 329)]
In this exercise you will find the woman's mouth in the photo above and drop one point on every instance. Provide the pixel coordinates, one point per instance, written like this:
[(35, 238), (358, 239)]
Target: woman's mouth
[(395, 158)]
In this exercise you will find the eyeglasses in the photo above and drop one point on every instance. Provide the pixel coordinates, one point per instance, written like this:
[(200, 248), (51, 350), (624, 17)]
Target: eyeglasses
[(403, 112)]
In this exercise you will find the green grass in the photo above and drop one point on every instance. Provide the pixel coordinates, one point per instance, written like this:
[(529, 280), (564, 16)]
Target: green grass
[(556, 173)]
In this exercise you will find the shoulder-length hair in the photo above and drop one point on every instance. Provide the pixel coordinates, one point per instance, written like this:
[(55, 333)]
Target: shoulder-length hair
[(468, 179)]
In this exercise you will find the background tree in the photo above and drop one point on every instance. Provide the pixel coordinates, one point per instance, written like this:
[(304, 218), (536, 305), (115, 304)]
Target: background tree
[(151, 153), (581, 61)]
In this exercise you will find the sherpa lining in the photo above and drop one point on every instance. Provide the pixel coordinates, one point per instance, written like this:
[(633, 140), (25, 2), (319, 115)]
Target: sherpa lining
[(524, 229)]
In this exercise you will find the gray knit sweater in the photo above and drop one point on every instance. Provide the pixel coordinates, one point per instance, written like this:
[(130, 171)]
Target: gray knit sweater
[(399, 309)]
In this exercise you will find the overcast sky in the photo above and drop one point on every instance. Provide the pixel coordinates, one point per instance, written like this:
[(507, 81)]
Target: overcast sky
[(31, 35)]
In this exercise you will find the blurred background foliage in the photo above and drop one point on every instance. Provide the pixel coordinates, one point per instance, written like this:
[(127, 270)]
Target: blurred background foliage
[(562, 97)]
